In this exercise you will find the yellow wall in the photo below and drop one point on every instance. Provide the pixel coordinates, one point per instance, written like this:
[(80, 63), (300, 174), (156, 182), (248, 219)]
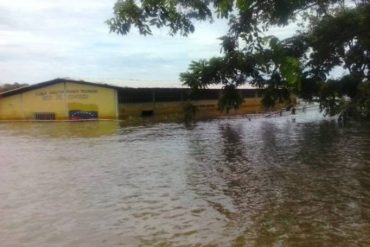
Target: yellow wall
[(92, 98), (46, 99), (11, 108), (60, 98)]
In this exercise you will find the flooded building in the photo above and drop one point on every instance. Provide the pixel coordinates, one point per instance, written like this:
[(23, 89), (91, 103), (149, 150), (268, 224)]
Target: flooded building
[(65, 99)]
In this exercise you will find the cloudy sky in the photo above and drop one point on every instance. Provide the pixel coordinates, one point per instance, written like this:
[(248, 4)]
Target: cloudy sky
[(44, 39)]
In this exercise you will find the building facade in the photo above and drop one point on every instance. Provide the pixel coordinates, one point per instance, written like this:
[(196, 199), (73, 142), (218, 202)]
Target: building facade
[(63, 99), (60, 100)]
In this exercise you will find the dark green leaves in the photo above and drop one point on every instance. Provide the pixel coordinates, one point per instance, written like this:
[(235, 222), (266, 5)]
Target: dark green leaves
[(291, 70), (177, 16), (333, 36), (230, 98), (246, 16)]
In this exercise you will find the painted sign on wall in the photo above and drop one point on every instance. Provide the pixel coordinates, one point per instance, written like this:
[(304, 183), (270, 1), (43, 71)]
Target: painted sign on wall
[(70, 94)]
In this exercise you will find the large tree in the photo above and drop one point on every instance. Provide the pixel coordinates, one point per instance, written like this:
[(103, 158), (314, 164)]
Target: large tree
[(334, 34)]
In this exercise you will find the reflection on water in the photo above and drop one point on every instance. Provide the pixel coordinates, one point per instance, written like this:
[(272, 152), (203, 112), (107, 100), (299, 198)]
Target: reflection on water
[(231, 182), (64, 130)]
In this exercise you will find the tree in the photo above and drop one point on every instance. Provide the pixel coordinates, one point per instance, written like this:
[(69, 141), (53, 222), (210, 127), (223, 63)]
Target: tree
[(334, 33)]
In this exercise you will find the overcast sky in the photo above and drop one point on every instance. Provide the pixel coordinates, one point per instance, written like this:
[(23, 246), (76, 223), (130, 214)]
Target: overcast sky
[(44, 39)]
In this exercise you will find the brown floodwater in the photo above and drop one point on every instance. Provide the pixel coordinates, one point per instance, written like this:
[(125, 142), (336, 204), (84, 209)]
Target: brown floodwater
[(225, 182)]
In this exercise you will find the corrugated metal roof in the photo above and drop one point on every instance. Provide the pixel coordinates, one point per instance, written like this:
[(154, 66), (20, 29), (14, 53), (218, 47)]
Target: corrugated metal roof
[(126, 91), (52, 82)]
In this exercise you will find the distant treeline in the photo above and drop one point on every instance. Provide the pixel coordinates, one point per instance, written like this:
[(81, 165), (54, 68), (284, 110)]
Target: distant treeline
[(11, 86)]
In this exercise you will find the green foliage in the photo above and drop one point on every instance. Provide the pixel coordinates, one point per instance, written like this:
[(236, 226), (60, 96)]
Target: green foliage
[(291, 70), (176, 15), (189, 111), (230, 98), (362, 101), (179, 15), (342, 40), (333, 34)]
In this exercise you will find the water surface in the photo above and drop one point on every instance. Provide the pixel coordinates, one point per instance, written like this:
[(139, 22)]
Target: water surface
[(225, 182)]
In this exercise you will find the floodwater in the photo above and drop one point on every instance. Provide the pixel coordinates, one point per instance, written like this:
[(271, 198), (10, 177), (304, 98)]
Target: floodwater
[(225, 182)]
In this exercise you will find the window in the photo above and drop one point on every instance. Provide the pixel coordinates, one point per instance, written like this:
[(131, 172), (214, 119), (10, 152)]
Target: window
[(147, 113), (44, 116)]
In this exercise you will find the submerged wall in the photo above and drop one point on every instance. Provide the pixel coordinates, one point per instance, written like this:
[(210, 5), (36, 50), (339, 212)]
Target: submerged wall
[(61, 101), (176, 110), (173, 103)]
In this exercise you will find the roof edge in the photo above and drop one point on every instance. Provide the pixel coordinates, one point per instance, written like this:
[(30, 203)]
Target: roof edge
[(52, 82)]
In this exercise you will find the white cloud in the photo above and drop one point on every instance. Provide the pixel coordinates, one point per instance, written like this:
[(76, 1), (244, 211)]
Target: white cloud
[(41, 40), (45, 39)]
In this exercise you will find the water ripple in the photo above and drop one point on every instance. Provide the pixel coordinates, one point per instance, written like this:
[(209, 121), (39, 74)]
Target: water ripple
[(229, 182)]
